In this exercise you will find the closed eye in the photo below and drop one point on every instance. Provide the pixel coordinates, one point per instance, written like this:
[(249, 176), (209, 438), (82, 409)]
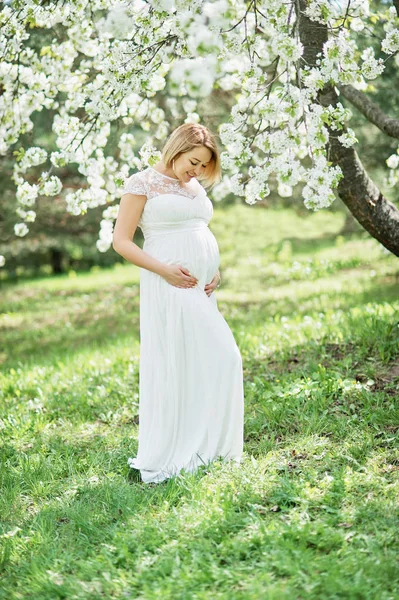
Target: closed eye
[(195, 164)]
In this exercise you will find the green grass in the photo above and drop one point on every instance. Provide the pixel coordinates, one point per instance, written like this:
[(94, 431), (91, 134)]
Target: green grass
[(312, 511)]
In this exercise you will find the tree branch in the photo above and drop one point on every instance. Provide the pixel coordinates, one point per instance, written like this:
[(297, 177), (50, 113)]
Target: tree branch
[(356, 189), (371, 110)]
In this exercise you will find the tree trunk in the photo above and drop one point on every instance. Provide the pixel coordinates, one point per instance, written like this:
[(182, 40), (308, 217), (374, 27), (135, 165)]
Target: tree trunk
[(56, 260), (356, 189)]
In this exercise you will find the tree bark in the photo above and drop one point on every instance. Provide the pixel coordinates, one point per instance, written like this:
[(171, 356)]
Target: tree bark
[(371, 110), (356, 189)]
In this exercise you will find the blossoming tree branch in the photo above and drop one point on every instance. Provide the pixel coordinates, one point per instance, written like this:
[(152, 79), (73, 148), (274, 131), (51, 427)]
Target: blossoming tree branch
[(100, 67)]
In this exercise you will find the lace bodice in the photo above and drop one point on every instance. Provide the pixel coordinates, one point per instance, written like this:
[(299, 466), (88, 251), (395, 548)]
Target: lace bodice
[(151, 182), (170, 205)]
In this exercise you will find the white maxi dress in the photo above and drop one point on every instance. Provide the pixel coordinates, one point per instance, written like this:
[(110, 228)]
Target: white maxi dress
[(191, 394)]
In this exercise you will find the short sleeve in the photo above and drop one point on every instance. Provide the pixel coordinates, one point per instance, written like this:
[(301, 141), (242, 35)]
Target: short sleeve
[(135, 184)]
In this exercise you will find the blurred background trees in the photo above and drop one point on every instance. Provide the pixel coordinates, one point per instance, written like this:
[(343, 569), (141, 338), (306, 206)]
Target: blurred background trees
[(59, 241)]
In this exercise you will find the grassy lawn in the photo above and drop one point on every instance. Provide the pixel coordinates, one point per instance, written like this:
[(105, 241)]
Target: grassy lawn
[(311, 513)]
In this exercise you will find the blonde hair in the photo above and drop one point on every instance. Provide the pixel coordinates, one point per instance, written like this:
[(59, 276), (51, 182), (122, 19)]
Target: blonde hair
[(192, 135)]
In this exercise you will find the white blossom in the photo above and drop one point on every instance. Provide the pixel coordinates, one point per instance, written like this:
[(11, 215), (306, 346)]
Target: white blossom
[(32, 157), (319, 10), (391, 42), (348, 138), (371, 67), (116, 57), (321, 180), (103, 246), (284, 190), (59, 159), (118, 22), (30, 216), (51, 186), (77, 202), (27, 194), (20, 229), (222, 189), (357, 24), (290, 49), (192, 118), (393, 161), (111, 212), (236, 184), (195, 75)]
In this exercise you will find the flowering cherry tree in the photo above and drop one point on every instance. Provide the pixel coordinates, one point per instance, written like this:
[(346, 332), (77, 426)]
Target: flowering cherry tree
[(102, 66)]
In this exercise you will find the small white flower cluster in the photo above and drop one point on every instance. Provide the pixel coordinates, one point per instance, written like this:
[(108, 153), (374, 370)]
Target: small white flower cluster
[(193, 76), (126, 145), (371, 67), (202, 40), (117, 23), (335, 116), (21, 229), (288, 48), (59, 158), (29, 216), (77, 202), (348, 138), (222, 189), (129, 52), (106, 228), (32, 157), (105, 236), (284, 190), (27, 194), (325, 11), (320, 10), (50, 186), (392, 163), (391, 42), (317, 133), (257, 187), (339, 64), (149, 154), (317, 193), (283, 143)]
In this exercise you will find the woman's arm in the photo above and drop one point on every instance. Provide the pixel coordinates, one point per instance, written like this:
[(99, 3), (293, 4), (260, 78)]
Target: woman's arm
[(130, 210)]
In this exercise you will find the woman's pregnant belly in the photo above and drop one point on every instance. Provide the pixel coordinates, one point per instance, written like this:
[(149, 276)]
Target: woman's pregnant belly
[(195, 250)]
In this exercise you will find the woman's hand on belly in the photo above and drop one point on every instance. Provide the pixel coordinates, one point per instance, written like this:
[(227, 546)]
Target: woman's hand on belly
[(210, 287), (179, 276)]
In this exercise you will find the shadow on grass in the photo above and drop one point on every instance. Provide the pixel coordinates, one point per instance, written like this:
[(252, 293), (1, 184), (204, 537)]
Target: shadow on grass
[(138, 530), (58, 329), (257, 312), (90, 509)]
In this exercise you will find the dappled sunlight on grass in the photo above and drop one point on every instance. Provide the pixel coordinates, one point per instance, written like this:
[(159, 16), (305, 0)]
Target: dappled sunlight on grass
[(68, 321), (311, 510)]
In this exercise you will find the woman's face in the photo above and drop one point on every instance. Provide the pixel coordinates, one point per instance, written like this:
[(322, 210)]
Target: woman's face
[(192, 163)]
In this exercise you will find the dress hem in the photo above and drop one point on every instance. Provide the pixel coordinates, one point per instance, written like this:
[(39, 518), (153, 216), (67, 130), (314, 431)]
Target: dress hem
[(197, 461)]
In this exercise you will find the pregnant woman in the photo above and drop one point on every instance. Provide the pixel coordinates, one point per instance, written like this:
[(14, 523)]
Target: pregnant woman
[(191, 396)]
